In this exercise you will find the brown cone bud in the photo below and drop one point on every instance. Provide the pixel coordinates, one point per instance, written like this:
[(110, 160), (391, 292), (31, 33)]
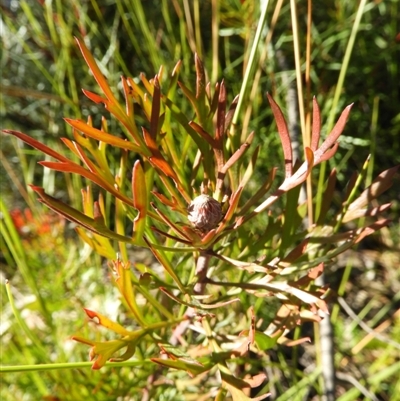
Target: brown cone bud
[(204, 213)]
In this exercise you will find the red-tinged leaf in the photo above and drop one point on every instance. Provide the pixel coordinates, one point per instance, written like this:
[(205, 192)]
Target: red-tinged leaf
[(191, 233), (140, 202), (155, 110), (214, 101), (159, 254), (77, 217), (136, 91), (231, 112), (70, 145), (284, 135), (207, 239), (381, 183), (256, 380), (128, 93), (316, 125), (90, 61), (107, 323), (94, 97), (83, 340), (77, 149), (371, 229), (221, 110), (329, 153), (334, 135), (173, 204), (36, 144), (157, 160), (200, 79), (70, 167), (148, 85), (304, 281), (191, 368), (357, 213), (297, 252), (205, 135), (238, 154), (315, 272), (233, 204), (105, 137)]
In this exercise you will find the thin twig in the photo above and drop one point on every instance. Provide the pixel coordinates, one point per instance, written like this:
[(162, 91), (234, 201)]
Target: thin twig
[(364, 326)]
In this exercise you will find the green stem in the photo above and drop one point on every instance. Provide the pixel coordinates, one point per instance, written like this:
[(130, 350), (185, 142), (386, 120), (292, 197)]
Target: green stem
[(251, 63), (66, 365)]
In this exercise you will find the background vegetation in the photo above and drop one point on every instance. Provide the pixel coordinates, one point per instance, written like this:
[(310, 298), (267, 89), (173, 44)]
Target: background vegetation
[(52, 275)]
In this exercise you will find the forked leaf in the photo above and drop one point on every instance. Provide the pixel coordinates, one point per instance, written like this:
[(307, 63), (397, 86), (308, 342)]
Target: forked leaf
[(123, 280), (101, 352), (103, 249)]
